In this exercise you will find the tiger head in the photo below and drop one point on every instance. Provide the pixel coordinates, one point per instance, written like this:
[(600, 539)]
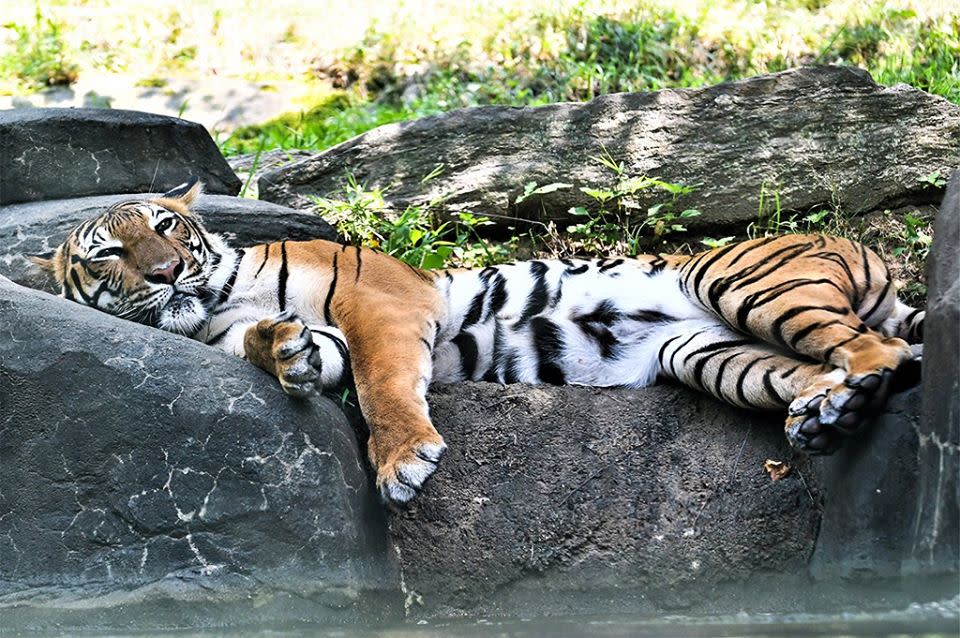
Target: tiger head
[(149, 261)]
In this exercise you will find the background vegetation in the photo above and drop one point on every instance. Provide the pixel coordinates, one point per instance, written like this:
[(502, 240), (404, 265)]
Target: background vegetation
[(345, 68)]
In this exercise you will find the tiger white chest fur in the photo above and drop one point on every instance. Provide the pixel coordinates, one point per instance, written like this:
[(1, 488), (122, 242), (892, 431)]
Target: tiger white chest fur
[(558, 321)]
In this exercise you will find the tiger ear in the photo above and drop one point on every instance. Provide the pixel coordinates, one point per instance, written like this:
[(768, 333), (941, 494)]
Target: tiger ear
[(51, 263), (186, 193)]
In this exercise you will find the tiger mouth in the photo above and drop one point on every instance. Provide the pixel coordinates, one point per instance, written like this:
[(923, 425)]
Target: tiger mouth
[(180, 301)]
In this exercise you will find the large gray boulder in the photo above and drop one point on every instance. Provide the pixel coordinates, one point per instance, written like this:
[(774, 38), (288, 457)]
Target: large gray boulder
[(815, 136), (38, 227), (937, 519), (57, 153), (147, 480)]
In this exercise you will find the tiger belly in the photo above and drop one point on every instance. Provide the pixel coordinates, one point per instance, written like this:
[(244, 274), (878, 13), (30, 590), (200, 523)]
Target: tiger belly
[(597, 322)]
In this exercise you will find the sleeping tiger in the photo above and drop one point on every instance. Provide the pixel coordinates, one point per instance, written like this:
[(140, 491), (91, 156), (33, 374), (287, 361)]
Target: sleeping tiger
[(810, 324)]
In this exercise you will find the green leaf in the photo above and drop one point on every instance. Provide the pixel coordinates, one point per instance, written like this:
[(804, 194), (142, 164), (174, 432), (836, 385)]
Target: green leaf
[(690, 212)]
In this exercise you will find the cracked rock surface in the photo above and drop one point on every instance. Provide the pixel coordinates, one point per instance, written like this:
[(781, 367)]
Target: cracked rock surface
[(815, 136), (56, 153), (130, 474)]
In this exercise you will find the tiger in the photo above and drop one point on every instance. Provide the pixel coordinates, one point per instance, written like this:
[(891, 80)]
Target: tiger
[(806, 324)]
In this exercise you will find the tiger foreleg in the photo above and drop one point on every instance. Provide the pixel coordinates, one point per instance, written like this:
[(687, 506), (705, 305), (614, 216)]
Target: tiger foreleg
[(392, 368)]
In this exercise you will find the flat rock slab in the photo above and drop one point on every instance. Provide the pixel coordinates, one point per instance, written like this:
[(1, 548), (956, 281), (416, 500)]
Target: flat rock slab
[(38, 227), (59, 153), (815, 136), (147, 480)]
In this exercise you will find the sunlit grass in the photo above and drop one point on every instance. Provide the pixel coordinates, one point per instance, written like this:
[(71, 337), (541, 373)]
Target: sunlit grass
[(348, 67)]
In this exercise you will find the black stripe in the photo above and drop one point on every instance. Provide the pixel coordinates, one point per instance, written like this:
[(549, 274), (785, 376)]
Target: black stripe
[(789, 373), (772, 391), (799, 335), (765, 265), (79, 288), (282, 278), (266, 256), (217, 338), (498, 296), (333, 286), (537, 299), (760, 244), (663, 349), (741, 380), (829, 351), (427, 344), (876, 304), (711, 351), (228, 287), (469, 353), (650, 316), (357, 276), (476, 308), (579, 270), (763, 297), (866, 270), (612, 264), (345, 371), (776, 328), (718, 380), (701, 269), (839, 259), (548, 343), (673, 356)]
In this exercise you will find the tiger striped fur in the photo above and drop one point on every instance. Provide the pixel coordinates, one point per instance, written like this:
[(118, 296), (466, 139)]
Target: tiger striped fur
[(809, 324)]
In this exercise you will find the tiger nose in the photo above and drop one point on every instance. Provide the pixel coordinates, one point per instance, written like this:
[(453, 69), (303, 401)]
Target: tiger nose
[(166, 273)]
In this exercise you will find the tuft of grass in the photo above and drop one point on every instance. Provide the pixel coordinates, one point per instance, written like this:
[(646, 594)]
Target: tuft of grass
[(39, 55)]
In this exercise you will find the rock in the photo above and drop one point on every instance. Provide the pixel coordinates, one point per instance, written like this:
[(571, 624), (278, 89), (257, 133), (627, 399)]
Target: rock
[(250, 166), (816, 136), (579, 500), (61, 153), (937, 521), (149, 481), (38, 227), (870, 492)]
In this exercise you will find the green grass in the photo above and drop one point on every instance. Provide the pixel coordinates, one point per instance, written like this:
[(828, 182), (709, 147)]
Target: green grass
[(38, 56), (580, 52)]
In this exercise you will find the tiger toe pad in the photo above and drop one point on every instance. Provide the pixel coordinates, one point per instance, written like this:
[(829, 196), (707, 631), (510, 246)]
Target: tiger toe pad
[(401, 481)]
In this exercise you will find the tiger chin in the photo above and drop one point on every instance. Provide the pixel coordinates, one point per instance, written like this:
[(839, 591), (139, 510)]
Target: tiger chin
[(805, 324)]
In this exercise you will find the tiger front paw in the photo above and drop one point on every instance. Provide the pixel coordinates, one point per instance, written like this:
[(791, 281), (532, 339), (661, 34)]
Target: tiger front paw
[(283, 346), (403, 469)]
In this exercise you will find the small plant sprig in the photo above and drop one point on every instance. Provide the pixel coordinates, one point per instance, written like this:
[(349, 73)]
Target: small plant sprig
[(616, 225), (416, 235)]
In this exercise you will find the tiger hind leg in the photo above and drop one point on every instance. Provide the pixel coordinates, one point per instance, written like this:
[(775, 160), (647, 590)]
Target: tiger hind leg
[(752, 374), (824, 298)]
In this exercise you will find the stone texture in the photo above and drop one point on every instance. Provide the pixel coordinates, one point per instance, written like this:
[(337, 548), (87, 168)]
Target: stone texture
[(870, 494), (38, 227), (579, 500), (816, 135), (59, 153), (937, 522), (149, 481)]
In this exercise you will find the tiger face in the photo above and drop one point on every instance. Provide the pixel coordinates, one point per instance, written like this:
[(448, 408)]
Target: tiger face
[(148, 261)]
